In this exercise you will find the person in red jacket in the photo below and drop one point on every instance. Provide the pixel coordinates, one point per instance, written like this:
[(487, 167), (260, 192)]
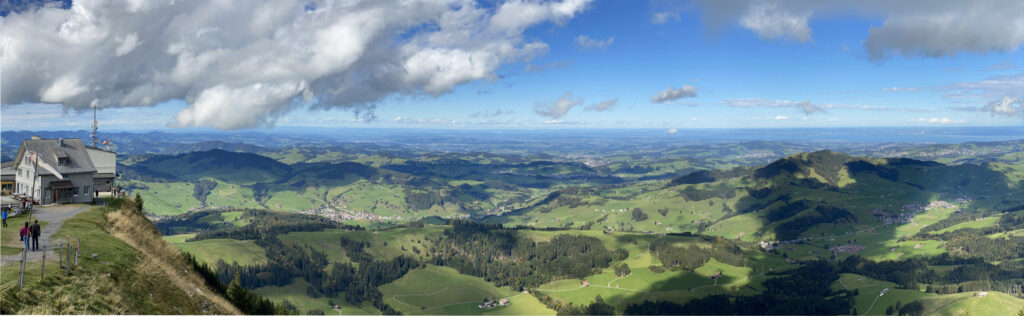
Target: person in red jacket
[(25, 235)]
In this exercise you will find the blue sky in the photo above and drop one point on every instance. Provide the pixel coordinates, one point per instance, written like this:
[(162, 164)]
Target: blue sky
[(726, 73)]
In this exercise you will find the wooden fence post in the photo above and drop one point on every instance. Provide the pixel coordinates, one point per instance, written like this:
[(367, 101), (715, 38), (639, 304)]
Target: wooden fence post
[(21, 273), (78, 247), (42, 275), (67, 268)]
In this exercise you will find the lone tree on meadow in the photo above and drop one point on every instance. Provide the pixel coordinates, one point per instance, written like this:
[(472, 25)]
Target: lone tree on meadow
[(622, 270)]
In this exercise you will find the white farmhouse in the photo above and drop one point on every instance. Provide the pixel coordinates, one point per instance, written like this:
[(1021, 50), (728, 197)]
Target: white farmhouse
[(69, 157)]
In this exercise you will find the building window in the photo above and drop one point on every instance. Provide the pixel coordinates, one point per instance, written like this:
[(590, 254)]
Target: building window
[(62, 162)]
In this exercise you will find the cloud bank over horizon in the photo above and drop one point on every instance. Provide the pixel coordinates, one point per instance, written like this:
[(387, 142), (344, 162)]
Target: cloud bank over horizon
[(245, 68)]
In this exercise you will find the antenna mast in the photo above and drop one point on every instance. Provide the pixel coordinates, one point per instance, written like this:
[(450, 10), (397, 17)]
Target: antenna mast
[(94, 126)]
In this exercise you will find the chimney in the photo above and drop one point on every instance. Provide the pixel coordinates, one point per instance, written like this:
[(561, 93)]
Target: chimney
[(35, 137)]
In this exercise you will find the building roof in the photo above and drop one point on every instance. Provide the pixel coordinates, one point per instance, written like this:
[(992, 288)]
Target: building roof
[(50, 149), (7, 169), (100, 149)]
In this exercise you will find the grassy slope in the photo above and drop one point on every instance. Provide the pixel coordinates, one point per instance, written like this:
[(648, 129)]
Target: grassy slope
[(231, 195), (135, 272), (995, 303), (245, 252), (442, 290), (169, 198), (296, 294), (384, 244)]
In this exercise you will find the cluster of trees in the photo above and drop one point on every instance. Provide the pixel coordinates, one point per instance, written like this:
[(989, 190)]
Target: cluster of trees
[(269, 224), (971, 274), (247, 301), (692, 194), (202, 188), (503, 257), (914, 308), (284, 262), (598, 307), (622, 270), (802, 291), (706, 176), (989, 249), (360, 284), (907, 274), (694, 256), (639, 215), (421, 200), (188, 223)]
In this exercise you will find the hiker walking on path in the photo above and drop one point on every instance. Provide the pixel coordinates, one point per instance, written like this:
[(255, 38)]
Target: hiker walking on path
[(5, 217), (24, 235), (35, 235)]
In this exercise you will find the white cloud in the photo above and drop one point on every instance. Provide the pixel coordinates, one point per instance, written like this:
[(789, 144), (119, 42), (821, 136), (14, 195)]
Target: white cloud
[(591, 43), (672, 94), (806, 106), (603, 105), (898, 89), (556, 109), (937, 120), (781, 117), (770, 22), (128, 43), (664, 17), (986, 89), (515, 15), (490, 114), (273, 56), (671, 131), (1004, 106), (909, 28)]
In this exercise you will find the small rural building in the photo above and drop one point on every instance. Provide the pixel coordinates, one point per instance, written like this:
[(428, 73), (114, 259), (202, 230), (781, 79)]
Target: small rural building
[(716, 275), (982, 294), (7, 178), (105, 162), (503, 302), (586, 283), (65, 156)]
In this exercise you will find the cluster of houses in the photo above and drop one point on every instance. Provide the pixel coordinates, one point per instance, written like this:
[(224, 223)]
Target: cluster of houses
[(48, 171), (489, 304), (910, 210)]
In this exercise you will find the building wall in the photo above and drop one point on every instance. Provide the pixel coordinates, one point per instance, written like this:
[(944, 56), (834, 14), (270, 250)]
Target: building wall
[(41, 190), (23, 180), (104, 184)]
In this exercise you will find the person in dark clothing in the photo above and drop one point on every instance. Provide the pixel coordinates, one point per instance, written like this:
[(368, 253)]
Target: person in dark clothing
[(35, 235)]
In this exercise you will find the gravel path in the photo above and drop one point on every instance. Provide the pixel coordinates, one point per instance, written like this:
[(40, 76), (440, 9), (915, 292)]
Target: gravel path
[(55, 217)]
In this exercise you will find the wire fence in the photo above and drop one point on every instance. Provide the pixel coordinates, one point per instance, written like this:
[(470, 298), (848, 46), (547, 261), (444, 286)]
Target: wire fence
[(65, 252)]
